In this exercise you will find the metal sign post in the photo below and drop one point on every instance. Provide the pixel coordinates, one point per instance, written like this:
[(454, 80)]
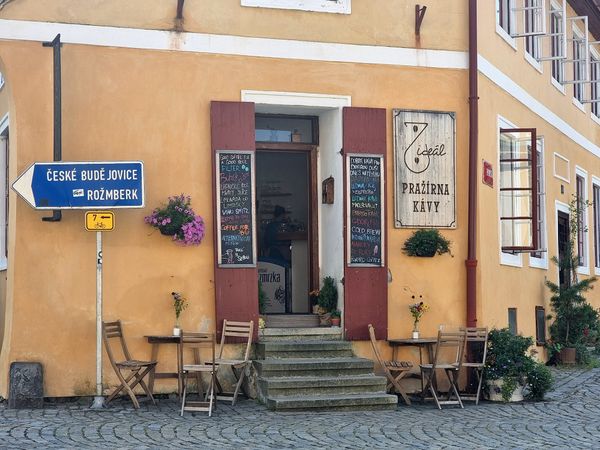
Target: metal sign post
[(99, 398), (99, 221)]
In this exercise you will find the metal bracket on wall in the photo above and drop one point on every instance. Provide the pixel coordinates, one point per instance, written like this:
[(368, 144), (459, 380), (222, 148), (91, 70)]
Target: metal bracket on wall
[(419, 16), (55, 44)]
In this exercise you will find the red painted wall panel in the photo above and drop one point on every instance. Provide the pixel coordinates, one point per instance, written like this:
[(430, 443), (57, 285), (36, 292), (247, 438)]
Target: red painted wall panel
[(365, 288), (236, 291)]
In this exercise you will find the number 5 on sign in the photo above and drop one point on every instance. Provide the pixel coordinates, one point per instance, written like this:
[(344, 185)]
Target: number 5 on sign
[(99, 221)]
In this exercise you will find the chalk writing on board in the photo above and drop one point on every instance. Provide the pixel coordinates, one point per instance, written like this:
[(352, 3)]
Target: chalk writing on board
[(235, 211), (365, 210)]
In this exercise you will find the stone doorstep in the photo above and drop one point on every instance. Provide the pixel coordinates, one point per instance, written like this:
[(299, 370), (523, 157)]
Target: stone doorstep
[(303, 349), (345, 384), (334, 402), (295, 334)]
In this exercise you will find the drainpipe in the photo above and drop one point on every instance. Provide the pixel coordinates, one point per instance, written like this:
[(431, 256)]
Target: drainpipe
[(471, 261)]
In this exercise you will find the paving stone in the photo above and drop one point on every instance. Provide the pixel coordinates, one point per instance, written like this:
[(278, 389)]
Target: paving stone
[(570, 418)]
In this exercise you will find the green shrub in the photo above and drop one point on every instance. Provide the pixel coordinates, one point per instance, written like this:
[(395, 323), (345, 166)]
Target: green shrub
[(328, 295), (426, 243), (262, 299), (539, 381)]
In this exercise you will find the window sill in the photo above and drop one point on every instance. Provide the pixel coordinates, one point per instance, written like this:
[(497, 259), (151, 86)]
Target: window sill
[(595, 118), (507, 259), (596, 270), (579, 105), (506, 37), (324, 6), (538, 263), (583, 270), (3, 264), (558, 86), (534, 63)]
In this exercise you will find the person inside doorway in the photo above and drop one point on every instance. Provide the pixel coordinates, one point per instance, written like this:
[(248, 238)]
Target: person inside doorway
[(276, 247)]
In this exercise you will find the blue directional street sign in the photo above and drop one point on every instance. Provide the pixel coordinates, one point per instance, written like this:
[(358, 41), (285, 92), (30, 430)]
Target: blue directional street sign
[(82, 185)]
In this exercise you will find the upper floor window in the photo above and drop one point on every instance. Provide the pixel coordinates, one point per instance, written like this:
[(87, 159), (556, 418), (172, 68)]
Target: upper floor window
[(596, 203), (595, 84), (557, 40), (579, 64), (505, 16), (328, 6), (518, 186), (532, 41), (4, 191), (540, 254), (581, 204)]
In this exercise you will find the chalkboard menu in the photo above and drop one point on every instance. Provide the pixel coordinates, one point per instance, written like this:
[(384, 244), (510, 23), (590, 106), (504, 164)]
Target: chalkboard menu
[(235, 200), (365, 210)]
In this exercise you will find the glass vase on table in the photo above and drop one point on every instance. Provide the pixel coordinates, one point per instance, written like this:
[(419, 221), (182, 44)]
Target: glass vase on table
[(415, 332)]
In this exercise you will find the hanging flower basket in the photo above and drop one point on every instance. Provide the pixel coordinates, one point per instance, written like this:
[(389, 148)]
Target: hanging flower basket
[(179, 220)]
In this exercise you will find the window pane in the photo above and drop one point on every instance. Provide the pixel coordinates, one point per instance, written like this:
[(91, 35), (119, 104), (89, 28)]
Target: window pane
[(515, 145), (515, 204), (540, 325), (516, 233), (284, 129), (515, 174), (512, 320)]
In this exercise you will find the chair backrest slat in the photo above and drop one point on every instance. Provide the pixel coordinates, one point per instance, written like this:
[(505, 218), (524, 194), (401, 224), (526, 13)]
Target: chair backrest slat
[(237, 330), (374, 345), (196, 340), (477, 334), (450, 340), (112, 330)]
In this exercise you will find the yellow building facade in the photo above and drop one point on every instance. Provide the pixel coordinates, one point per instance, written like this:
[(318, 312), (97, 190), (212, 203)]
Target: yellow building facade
[(143, 82)]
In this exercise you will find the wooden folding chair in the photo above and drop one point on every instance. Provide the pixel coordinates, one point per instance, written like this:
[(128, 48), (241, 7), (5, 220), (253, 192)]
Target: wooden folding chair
[(235, 330), (196, 341), (130, 372), (394, 370), (475, 357), (448, 344)]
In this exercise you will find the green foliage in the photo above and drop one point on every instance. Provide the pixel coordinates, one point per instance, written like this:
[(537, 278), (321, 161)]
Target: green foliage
[(539, 381), (508, 359), (328, 294), (426, 243), (262, 299), (572, 314), (336, 313)]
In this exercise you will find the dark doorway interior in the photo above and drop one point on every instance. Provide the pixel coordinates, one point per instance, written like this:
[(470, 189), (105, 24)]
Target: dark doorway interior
[(563, 243), (283, 194)]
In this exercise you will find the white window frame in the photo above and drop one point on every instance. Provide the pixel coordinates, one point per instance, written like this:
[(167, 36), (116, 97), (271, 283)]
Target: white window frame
[(578, 88), (533, 41), (4, 127), (504, 34), (506, 259), (584, 269), (596, 206), (541, 262), (325, 6), (595, 85), (1, 80), (556, 82), (558, 155)]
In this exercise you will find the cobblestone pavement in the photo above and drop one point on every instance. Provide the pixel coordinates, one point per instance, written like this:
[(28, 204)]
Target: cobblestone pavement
[(570, 418)]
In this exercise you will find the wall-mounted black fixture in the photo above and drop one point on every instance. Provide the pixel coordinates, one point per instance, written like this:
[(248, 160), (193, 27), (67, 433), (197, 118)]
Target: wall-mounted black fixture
[(55, 44), (419, 16)]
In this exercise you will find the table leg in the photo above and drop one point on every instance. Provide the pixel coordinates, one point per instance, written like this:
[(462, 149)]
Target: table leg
[(153, 357)]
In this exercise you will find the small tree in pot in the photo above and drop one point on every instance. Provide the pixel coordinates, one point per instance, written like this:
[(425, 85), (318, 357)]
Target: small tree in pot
[(328, 298)]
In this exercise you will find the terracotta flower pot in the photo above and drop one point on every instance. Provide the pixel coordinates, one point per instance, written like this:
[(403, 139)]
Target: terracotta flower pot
[(568, 355), (335, 321)]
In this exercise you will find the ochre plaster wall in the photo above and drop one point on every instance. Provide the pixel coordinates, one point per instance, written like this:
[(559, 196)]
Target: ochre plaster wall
[(503, 286), (372, 22), (121, 104)]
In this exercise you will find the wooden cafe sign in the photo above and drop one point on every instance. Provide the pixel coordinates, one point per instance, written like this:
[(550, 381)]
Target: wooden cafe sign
[(424, 169)]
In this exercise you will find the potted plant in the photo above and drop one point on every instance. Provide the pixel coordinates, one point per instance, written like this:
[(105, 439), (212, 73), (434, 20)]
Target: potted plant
[(417, 310), (510, 368), (426, 242), (179, 304), (179, 220), (571, 311), (328, 297), (336, 318), (314, 301)]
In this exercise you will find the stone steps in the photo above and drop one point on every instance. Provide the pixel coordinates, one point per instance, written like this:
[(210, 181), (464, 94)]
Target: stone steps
[(352, 402), (292, 321), (303, 349), (304, 334), (315, 385), (313, 372), (278, 367)]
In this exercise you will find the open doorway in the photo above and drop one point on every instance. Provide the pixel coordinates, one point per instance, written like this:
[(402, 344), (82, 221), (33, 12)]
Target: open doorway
[(285, 208)]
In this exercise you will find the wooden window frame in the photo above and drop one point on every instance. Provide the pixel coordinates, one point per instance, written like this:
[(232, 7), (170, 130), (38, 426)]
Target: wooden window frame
[(532, 189), (314, 125), (516, 330)]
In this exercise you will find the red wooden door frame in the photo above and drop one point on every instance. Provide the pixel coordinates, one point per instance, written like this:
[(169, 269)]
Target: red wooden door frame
[(365, 288), (236, 289)]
